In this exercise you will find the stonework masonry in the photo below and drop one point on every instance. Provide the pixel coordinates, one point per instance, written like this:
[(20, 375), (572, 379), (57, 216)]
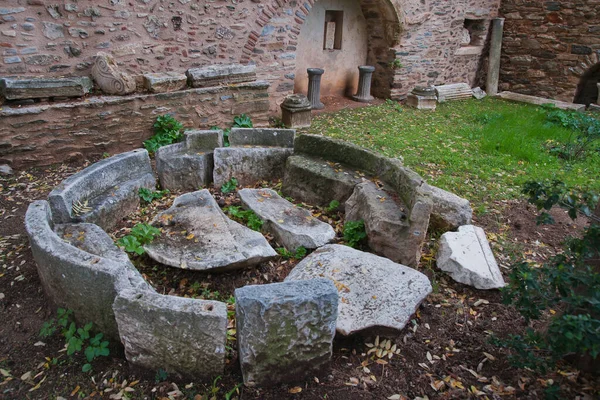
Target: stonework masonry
[(548, 46)]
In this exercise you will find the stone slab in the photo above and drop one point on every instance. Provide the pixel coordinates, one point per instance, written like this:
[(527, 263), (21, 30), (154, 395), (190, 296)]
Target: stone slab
[(86, 278), (453, 91), (374, 291), (467, 257), (198, 139), (110, 188), (197, 235), (262, 137), (317, 181), (180, 335), (523, 98), (389, 230), (216, 75), (180, 168), (449, 210), (285, 330), (421, 102), (35, 88), (163, 82), (249, 164), (291, 226)]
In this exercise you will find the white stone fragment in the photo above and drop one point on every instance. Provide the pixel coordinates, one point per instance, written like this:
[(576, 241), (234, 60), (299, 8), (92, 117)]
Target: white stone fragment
[(467, 257)]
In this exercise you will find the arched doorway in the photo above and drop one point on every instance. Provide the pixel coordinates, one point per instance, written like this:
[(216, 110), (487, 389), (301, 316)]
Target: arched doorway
[(340, 35), (587, 89)]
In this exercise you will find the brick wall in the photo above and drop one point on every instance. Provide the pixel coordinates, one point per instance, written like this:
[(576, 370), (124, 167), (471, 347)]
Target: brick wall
[(548, 46)]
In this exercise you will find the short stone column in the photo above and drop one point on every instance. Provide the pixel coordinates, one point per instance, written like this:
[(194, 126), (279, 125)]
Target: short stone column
[(422, 98), (295, 111), (363, 94), (493, 76), (314, 87)]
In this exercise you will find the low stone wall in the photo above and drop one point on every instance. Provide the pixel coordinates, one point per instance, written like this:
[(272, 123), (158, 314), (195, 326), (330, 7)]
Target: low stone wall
[(35, 135)]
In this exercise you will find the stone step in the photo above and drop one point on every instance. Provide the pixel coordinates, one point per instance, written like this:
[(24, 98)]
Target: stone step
[(37, 88), (291, 226), (197, 235), (454, 91), (524, 98), (374, 292)]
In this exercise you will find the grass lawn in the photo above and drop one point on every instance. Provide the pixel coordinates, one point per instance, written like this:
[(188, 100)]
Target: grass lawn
[(481, 150)]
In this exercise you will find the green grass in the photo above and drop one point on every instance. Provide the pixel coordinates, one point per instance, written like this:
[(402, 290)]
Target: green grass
[(481, 150)]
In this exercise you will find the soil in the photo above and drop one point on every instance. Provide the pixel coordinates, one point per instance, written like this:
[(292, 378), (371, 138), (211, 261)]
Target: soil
[(445, 351)]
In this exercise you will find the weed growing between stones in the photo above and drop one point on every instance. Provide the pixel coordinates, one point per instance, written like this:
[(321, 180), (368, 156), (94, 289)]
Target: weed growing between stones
[(248, 217), (76, 338), (239, 121), (140, 235), (229, 186), (297, 254), (148, 196), (354, 233), (167, 130)]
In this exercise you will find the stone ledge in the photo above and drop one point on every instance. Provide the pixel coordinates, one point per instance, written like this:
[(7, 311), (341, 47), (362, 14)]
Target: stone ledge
[(524, 98), (469, 51)]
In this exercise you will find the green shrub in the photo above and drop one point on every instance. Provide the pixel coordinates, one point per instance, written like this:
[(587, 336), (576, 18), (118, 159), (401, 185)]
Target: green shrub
[(77, 338), (141, 234), (585, 128), (229, 186), (242, 121), (297, 254), (333, 206), (167, 130), (148, 196), (566, 287), (354, 233), (248, 217)]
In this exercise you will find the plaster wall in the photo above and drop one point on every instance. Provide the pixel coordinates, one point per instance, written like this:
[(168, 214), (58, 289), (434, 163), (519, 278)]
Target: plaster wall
[(341, 66)]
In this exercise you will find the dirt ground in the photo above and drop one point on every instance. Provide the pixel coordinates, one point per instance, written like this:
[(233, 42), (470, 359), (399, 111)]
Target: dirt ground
[(445, 351)]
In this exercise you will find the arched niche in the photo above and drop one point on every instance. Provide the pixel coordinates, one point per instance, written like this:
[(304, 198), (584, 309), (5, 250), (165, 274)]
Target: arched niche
[(587, 89)]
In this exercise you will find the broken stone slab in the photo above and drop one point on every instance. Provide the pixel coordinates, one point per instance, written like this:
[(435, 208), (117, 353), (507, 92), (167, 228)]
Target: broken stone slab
[(6, 170), (262, 137), (449, 210), (216, 75), (454, 91), (104, 192), (523, 98), (109, 78), (197, 235), (249, 164), (467, 257), (388, 228), (85, 279), (285, 330), (163, 82), (180, 335), (374, 291), (36, 88), (197, 139), (479, 93), (291, 226), (316, 181), (179, 168)]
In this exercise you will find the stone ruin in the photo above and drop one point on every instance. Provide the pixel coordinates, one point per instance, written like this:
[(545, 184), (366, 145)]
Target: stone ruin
[(285, 330)]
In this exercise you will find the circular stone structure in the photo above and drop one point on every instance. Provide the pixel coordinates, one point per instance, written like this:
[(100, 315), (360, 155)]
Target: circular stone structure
[(82, 269)]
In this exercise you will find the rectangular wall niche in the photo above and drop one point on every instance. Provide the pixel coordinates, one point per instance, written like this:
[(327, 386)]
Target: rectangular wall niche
[(333, 30)]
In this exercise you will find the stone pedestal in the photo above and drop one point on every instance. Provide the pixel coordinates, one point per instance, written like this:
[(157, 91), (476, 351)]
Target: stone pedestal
[(295, 111), (314, 87), (491, 85), (363, 94), (422, 98)]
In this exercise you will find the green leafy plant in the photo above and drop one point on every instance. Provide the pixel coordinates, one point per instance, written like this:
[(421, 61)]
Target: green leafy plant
[(229, 186), (167, 130), (354, 233), (276, 122), (585, 128), (242, 121), (297, 254), (141, 234), (161, 376), (77, 338), (148, 195), (333, 206), (396, 63), (248, 217), (569, 282)]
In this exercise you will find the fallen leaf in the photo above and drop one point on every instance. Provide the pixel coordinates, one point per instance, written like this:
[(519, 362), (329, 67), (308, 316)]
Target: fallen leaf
[(295, 389)]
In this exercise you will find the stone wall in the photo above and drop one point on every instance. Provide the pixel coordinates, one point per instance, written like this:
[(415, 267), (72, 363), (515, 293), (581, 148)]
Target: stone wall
[(56, 132), (58, 39), (548, 46)]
